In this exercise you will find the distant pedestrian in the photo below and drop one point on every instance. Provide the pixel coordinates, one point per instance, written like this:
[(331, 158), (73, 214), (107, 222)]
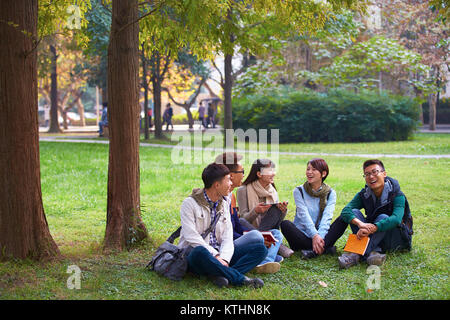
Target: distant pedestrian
[(167, 116), (211, 115), (104, 121), (201, 115), (150, 113)]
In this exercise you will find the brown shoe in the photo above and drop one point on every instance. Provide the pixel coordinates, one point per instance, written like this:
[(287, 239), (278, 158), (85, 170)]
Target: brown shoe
[(285, 252)]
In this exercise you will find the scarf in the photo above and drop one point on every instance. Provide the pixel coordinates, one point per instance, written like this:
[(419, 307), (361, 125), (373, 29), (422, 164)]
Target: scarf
[(322, 194), (255, 191)]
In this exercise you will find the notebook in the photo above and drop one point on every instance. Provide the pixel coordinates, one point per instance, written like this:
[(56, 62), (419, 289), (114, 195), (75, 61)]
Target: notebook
[(268, 236), (356, 245)]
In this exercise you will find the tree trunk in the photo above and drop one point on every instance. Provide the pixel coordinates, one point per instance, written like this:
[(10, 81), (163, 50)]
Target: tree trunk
[(54, 123), (24, 231), (156, 83), (145, 85), (432, 113), (228, 121), (124, 225), (80, 108), (190, 118)]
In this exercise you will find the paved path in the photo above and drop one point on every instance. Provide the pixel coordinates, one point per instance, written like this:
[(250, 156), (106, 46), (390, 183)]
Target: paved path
[(440, 128), (154, 145)]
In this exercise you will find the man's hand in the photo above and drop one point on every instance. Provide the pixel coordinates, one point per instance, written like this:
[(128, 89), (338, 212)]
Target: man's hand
[(222, 261), (318, 244), (362, 232)]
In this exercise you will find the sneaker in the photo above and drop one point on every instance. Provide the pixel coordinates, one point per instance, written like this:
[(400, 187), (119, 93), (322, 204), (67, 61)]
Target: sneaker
[(220, 281), (279, 259), (269, 267), (348, 260), (285, 252), (253, 282), (308, 254), (376, 258)]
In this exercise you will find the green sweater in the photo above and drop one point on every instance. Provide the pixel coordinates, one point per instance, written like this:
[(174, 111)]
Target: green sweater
[(386, 224)]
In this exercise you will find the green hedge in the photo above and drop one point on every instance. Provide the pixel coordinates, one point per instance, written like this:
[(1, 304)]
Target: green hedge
[(339, 115)]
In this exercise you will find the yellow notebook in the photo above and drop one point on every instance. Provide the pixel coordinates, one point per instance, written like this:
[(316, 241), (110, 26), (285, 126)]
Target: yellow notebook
[(356, 245)]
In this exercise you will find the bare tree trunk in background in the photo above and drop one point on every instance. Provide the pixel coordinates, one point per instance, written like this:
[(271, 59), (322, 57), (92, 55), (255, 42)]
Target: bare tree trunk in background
[(124, 224), (54, 123), (432, 113), (228, 121), (145, 85), (24, 231)]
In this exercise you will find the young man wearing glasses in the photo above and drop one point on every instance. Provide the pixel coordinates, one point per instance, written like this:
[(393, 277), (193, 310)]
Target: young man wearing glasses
[(388, 220)]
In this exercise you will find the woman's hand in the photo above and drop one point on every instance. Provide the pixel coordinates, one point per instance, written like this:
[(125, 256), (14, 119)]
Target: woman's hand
[(262, 207), (282, 206), (318, 244)]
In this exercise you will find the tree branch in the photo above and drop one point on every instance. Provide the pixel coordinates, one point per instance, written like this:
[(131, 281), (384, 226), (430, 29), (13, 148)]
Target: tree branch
[(220, 73)]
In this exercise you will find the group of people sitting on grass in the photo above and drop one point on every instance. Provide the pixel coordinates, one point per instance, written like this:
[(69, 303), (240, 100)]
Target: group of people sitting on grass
[(236, 244)]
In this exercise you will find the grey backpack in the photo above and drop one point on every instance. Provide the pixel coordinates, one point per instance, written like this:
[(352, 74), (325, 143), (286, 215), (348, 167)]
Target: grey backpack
[(171, 261)]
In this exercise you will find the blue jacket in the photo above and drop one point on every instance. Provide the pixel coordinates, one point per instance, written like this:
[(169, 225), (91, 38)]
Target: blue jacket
[(307, 212)]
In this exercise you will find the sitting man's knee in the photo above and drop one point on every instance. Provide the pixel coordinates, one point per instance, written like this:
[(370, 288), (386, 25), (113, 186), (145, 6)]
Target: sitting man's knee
[(197, 253), (381, 217)]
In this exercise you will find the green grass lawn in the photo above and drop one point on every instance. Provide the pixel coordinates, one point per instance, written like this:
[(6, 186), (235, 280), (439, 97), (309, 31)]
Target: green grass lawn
[(74, 181)]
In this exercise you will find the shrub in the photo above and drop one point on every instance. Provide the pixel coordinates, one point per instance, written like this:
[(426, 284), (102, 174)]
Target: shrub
[(339, 115)]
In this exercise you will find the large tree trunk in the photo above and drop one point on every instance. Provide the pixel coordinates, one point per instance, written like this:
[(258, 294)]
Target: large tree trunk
[(228, 121), (124, 225), (54, 123), (24, 231)]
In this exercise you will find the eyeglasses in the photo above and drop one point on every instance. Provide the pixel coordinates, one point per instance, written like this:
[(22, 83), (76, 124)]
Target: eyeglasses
[(242, 171), (374, 173)]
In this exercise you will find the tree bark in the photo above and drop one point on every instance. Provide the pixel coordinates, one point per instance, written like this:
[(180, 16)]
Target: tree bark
[(432, 113), (156, 85), (124, 225), (145, 85), (24, 231), (228, 121), (54, 123)]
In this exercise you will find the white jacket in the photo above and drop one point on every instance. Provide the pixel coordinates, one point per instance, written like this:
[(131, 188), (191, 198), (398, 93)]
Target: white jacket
[(196, 218)]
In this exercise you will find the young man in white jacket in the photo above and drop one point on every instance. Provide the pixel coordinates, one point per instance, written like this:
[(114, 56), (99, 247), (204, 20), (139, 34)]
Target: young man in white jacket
[(216, 255)]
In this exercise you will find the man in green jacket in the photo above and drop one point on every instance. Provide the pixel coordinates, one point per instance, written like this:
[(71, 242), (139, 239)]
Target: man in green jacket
[(388, 220)]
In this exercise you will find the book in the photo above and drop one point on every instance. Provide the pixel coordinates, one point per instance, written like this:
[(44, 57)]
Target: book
[(356, 245), (268, 236)]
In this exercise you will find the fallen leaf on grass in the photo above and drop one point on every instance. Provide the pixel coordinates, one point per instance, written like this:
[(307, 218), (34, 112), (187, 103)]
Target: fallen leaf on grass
[(323, 284)]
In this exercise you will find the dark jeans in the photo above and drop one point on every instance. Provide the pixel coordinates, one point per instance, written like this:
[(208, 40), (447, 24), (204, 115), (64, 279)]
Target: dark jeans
[(381, 241), (299, 241), (245, 258), (272, 219)]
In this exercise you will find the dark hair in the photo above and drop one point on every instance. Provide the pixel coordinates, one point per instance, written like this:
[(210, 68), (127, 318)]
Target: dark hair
[(229, 159), (105, 104), (370, 162), (320, 165), (212, 173), (256, 167)]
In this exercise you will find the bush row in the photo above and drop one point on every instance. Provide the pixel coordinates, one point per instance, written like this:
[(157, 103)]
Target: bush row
[(339, 115)]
